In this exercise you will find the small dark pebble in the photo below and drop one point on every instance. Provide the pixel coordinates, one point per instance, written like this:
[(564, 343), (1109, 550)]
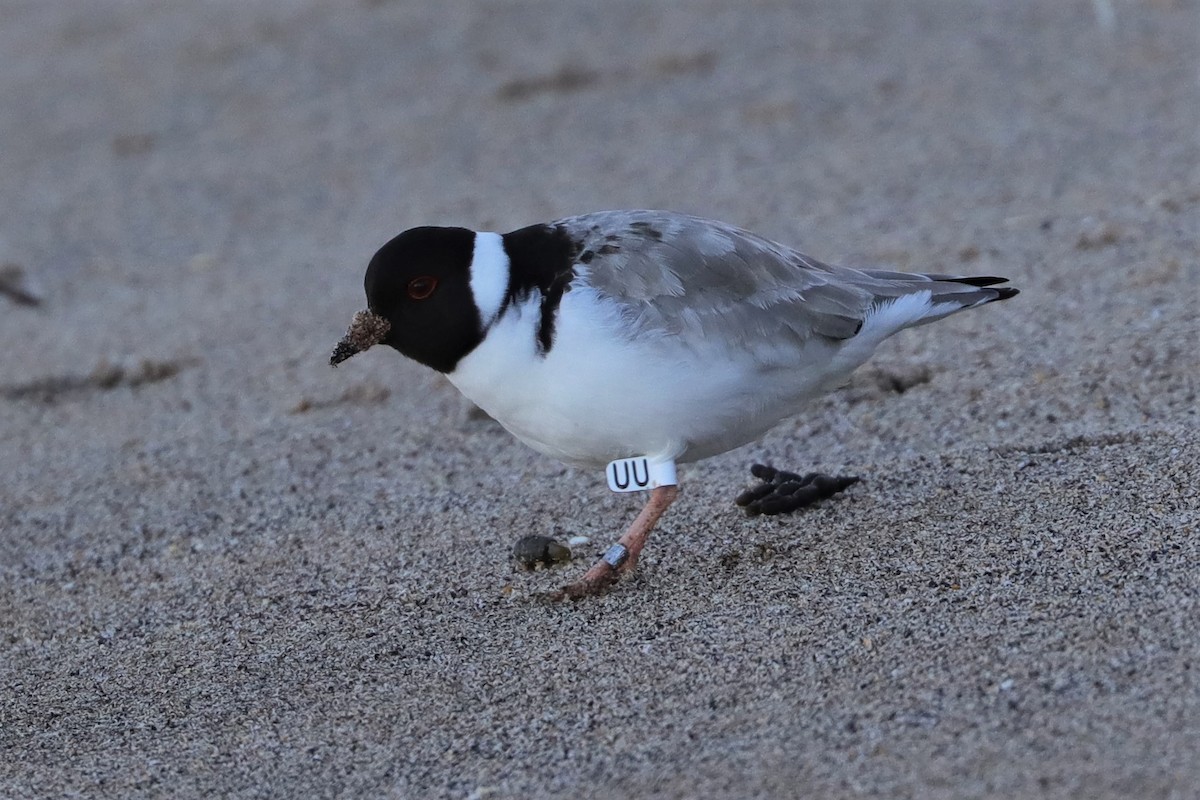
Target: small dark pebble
[(14, 285), (535, 551)]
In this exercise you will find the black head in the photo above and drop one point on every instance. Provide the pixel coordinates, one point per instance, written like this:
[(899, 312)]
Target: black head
[(420, 283)]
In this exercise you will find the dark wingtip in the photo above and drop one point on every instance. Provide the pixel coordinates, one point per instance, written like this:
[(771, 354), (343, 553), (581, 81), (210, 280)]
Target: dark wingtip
[(990, 281), (982, 280)]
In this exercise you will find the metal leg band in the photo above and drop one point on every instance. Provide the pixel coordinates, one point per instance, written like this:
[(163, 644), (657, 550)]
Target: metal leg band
[(616, 555)]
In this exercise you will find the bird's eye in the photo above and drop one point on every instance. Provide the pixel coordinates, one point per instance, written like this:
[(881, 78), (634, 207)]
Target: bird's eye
[(422, 287)]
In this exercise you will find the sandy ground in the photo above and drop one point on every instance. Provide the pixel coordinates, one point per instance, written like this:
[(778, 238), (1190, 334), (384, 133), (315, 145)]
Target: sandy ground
[(228, 570)]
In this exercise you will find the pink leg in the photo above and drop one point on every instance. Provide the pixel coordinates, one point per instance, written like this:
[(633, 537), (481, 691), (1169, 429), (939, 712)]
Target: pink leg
[(625, 553)]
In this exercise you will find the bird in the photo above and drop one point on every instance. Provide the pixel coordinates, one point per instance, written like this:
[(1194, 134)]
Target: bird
[(642, 337)]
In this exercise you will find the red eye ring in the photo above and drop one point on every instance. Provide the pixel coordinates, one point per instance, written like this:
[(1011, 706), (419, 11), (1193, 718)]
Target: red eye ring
[(422, 287)]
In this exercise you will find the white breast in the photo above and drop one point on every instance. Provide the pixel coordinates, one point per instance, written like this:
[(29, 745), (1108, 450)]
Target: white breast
[(598, 396)]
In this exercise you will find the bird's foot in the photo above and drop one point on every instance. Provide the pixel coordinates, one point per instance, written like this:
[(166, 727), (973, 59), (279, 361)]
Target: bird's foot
[(784, 492), (623, 556), (614, 563)]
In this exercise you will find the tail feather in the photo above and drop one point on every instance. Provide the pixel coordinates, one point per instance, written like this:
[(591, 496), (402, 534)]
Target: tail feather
[(932, 297), (974, 280), (974, 298)]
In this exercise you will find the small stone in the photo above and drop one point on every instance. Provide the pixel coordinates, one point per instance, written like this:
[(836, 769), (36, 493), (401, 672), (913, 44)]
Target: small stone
[(1098, 235), (304, 405), (14, 284), (535, 551)]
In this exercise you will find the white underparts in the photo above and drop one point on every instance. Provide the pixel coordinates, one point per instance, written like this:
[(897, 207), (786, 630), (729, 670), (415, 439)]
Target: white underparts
[(489, 275), (895, 315)]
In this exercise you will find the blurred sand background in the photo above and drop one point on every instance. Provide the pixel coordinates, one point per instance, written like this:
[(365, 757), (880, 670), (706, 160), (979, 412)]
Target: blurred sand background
[(228, 570)]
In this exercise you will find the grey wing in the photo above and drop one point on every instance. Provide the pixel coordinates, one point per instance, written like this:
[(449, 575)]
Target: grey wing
[(702, 280)]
